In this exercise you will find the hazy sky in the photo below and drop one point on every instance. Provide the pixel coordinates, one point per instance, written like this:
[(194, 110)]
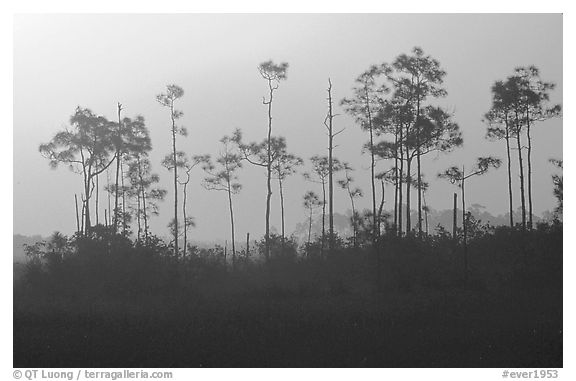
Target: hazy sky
[(95, 61)]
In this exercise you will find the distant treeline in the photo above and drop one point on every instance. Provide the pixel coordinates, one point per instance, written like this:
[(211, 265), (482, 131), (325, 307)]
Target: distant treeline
[(393, 102)]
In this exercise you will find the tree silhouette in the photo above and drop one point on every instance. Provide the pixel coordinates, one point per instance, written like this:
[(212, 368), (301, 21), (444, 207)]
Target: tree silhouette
[(264, 155), (320, 174), (499, 121), (455, 175), (187, 166), (415, 78), (353, 193), (223, 177), (118, 143), (363, 106), (558, 181), (173, 93), (86, 149), (394, 118), (534, 98), (329, 124), (135, 146), (273, 74), (311, 202), (142, 181), (285, 165), (436, 132)]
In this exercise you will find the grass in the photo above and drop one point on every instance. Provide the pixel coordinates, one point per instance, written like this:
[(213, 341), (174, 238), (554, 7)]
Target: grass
[(313, 313)]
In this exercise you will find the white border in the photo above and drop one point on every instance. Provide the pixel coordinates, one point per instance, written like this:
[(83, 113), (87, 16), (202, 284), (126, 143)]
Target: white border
[(8, 9)]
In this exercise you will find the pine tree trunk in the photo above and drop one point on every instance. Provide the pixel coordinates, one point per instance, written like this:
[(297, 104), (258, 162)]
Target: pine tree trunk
[(176, 251), (323, 218), (77, 216), (509, 164), (83, 215), (232, 227), (381, 207), (281, 207), (465, 230), (522, 197), (124, 223), (529, 159), (143, 191), (354, 228), (396, 183), (247, 245), (97, 200), (454, 216), (408, 186), (87, 204), (185, 219), (310, 227), (372, 168), (372, 181), (330, 170), (118, 161), (269, 173), (108, 194), (138, 211), (400, 182), (419, 174)]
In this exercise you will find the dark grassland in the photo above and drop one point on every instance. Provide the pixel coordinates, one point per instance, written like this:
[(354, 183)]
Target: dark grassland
[(105, 302)]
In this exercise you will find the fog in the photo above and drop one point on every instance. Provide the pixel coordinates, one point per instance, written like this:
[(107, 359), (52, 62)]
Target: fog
[(95, 61)]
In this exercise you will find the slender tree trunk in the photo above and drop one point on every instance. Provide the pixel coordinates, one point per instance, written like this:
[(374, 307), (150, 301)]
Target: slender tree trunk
[(143, 191), (522, 197), (509, 161), (454, 214), (118, 163), (281, 208), (82, 216), (330, 170), (124, 223), (269, 172), (419, 174), (425, 211), (408, 186), (232, 227), (77, 216), (465, 230), (354, 228), (529, 159), (323, 218), (381, 207), (145, 215), (138, 211), (108, 193), (310, 227), (400, 182), (247, 245), (372, 181), (87, 204), (185, 185), (372, 168), (176, 251), (97, 199), (396, 182)]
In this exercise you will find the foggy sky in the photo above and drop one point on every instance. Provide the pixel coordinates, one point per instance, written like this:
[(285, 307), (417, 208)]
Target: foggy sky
[(95, 61)]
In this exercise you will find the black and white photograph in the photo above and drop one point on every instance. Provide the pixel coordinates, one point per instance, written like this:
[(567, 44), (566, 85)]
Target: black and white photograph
[(288, 190)]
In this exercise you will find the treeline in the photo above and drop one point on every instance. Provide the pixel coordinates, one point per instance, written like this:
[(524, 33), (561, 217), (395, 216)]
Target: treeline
[(394, 103)]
